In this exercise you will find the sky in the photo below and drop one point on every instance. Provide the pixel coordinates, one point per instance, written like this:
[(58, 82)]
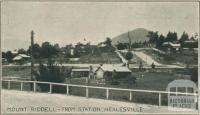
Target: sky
[(71, 22)]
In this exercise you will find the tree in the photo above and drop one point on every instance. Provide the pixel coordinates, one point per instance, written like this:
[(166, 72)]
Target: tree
[(121, 46), (36, 51), (108, 42), (48, 51), (153, 36), (9, 56), (3, 55), (171, 37), (194, 74), (21, 51), (160, 41), (184, 37), (52, 73), (129, 56), (153, 66)]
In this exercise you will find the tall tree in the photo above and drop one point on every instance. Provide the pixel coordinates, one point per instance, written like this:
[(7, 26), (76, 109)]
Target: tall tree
[(21, 51), (36, 51), (153, 36), (129, 56), (171, 37), (108, 42), (9, 56), (160, 41), (184, 37), (48, 51)]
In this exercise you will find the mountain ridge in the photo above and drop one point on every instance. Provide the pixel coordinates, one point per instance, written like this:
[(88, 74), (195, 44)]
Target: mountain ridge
[(136, 35)]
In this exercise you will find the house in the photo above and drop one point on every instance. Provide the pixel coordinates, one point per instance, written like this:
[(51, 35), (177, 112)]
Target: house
[(171, 47), (111, 71), (21, 58), (190, 44), (80, 72)]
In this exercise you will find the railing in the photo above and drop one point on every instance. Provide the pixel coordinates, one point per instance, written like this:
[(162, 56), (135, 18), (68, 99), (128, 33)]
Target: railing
[(96, 87)]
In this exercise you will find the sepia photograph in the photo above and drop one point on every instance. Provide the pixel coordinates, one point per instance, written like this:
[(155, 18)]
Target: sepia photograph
[(110, 57)]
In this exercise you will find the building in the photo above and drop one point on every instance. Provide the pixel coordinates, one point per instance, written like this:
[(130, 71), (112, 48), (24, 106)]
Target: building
[(21, 58), (111, 71), (190, 44), (80, 72), (171, 47)]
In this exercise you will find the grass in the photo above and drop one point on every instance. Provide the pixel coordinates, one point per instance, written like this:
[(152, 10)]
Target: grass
[(150, 81), (110, 57), (186, 56), (16, 71), (106, 57)]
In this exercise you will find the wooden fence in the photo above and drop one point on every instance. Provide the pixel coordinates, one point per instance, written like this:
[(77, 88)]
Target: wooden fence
[(160, 93)]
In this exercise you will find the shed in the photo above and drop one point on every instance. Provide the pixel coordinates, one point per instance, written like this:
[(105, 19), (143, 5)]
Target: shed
[(112, 70), (80, 72)]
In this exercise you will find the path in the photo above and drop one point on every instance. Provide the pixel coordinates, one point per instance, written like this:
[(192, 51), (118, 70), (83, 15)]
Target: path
[(122, 57), (146, 58)]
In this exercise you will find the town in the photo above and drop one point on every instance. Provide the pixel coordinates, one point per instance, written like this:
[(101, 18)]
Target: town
[(150, 64), (99, 57)]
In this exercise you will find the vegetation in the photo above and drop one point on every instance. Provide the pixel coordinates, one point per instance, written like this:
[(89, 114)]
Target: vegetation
[(194, 74), (52, 73)]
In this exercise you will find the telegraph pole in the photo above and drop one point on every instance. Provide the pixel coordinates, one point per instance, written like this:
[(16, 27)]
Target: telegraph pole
[(31, 53), (129, 41)]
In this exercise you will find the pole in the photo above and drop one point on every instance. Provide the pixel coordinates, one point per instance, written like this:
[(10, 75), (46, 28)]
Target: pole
[(31, 54), (32, 64)]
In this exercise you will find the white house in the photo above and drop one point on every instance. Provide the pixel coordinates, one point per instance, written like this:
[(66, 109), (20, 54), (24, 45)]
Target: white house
[(20, 58), (169, 46), (109, 70)]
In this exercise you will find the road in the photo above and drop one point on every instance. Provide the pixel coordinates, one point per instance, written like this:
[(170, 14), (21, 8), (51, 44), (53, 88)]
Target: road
[(122, 57), (146, 58), (57, 103)]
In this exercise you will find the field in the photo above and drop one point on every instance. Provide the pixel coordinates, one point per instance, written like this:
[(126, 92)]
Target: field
[(110, 57), (149, 81), (107, 57)]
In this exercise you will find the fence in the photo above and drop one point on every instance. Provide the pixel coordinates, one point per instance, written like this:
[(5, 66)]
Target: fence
[(88, 88)]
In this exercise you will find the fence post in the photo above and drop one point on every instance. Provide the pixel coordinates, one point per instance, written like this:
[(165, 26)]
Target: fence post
[(50, 88), (87, 92), (67, 89), (130, 96), (107, 93), (160, 100), (21, 85), (9, 84), (34, 86)]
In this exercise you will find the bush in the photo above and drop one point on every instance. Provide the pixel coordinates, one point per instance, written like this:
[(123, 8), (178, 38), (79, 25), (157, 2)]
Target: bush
[(52, 73)]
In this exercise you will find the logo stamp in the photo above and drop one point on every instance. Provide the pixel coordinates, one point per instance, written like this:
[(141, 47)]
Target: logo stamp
[(182, 95)]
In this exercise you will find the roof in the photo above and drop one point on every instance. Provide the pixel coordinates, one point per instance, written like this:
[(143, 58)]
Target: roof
[(82, 69), (172, 44), (190, 41), (111, 68), (20, 56)]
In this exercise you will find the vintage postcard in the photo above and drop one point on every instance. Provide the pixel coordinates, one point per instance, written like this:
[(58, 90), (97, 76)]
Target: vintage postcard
[(99, 57)]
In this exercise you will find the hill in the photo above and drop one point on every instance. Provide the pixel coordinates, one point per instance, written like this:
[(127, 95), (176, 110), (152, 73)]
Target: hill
[(139, 34)]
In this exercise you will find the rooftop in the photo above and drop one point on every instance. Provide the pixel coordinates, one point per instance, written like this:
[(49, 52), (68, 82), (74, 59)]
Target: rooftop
[(117, 68)]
